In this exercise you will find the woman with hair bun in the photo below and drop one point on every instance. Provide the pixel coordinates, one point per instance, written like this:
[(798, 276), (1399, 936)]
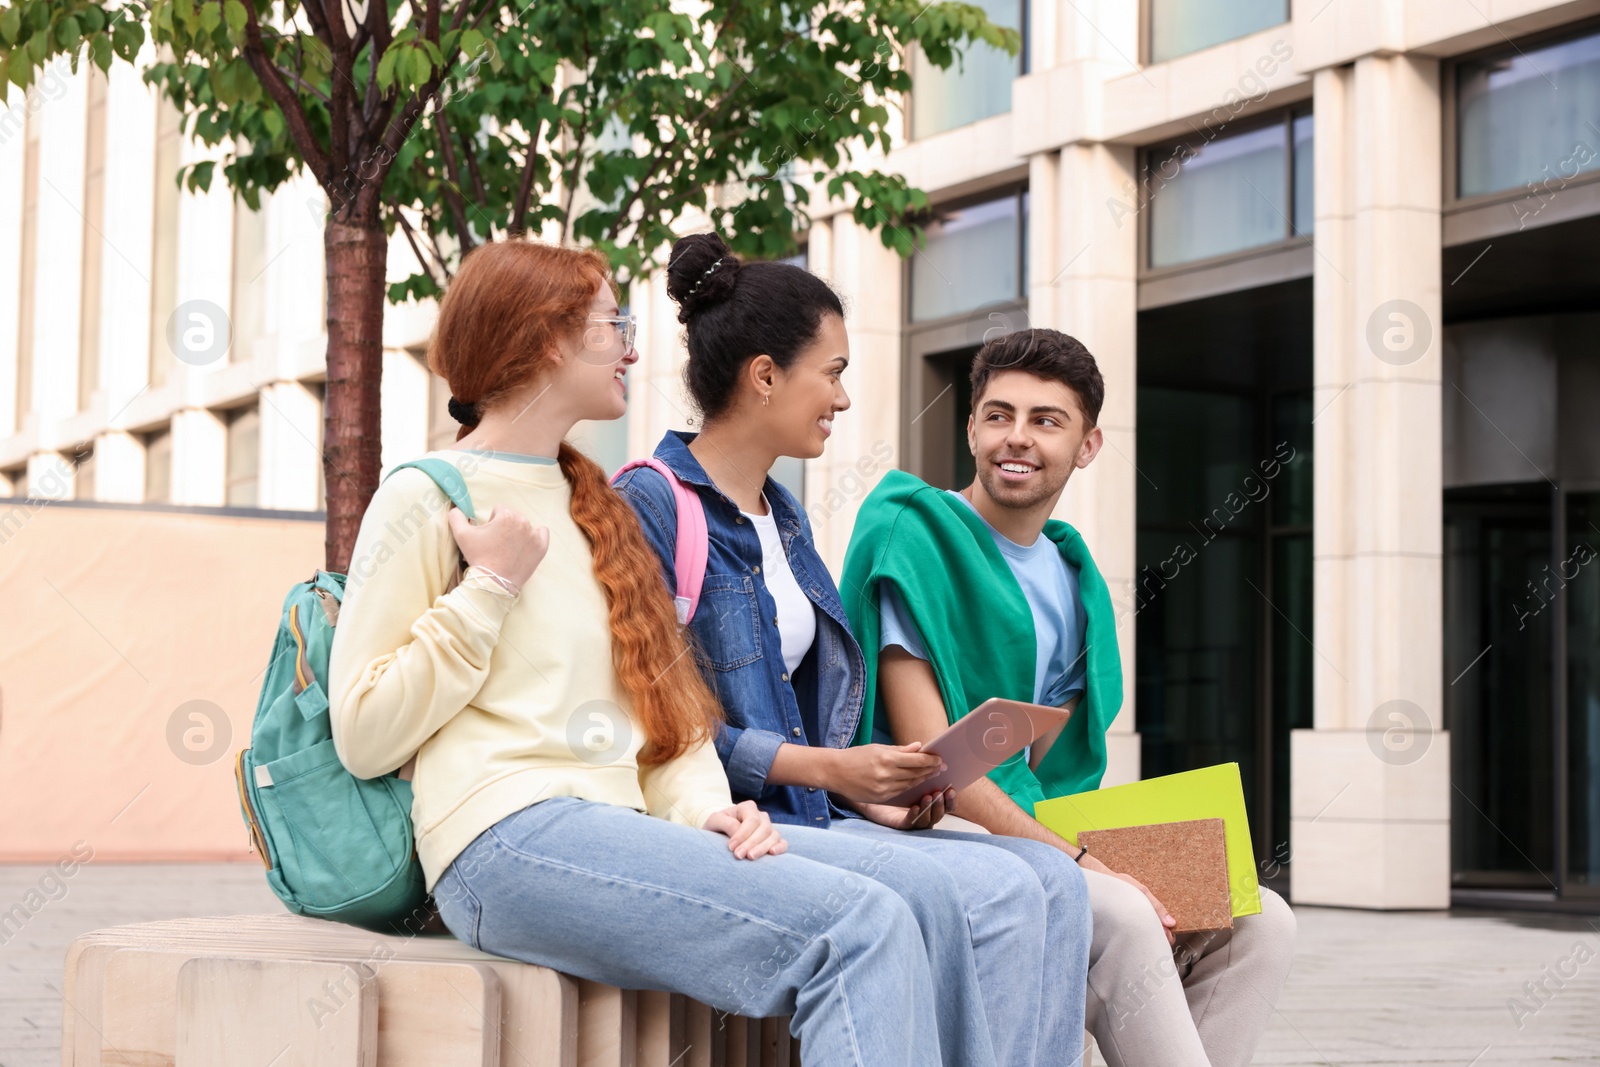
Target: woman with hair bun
[(628, 863), (767, 354)]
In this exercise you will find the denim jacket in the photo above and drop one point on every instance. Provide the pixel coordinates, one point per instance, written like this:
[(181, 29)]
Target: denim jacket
[(735, 634)]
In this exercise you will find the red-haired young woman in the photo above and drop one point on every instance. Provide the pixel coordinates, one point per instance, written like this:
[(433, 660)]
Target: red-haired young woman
[(570, 809)]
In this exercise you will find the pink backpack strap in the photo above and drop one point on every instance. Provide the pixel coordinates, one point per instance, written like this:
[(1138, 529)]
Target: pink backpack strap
[(689, 553)]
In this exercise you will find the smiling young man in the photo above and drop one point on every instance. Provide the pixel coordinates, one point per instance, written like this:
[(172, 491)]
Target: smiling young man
[(958, 596)]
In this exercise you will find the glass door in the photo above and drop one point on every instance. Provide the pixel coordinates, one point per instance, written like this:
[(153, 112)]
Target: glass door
[(1578, 579), (1500, 625)]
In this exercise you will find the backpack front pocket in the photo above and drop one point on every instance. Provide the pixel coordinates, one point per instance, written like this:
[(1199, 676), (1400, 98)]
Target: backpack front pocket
[(338, 838)]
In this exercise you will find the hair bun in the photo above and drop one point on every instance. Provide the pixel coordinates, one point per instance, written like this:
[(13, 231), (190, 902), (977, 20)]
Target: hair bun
[(701, 271)]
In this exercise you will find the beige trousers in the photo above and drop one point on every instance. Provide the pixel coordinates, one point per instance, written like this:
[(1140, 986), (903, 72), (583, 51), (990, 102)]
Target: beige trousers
[(1203, 1004)]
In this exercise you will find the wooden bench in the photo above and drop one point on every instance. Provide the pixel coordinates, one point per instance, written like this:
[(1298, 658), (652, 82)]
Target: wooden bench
[(287, 991)]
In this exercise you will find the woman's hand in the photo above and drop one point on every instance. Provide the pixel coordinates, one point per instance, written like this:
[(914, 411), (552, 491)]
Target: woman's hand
[(873, 774), (1167, 921), (923, 815), (749, 831), (504, 542)]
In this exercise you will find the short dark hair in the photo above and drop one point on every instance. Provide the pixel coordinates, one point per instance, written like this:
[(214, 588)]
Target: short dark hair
[(1048, 354), (736, 311)]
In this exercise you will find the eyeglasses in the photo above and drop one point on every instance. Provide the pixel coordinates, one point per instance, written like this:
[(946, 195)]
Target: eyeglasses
[(627, 325)]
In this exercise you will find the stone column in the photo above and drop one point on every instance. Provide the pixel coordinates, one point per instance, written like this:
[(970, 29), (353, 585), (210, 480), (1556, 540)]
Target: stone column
[(1092, 281), (288, 451), (1371, 783), (125, 261), (118, 467), (866, 439), (199, 458), (58, 270)]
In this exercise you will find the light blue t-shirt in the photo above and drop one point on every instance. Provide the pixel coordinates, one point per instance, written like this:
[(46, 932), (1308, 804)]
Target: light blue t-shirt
[(1050, 585)]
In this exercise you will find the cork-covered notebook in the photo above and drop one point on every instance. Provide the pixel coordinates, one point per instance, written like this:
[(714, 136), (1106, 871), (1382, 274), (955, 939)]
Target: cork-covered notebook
[(1185, 864)]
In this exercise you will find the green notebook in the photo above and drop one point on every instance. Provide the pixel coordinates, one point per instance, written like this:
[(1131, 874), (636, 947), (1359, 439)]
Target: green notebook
[(1208, 793)]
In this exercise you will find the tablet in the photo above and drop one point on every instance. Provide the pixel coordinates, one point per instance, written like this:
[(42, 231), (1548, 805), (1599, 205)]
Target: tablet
[(981, 740)]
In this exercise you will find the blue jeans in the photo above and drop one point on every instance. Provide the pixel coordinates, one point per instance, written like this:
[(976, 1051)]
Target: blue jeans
[(615, 896), (1031, 925)]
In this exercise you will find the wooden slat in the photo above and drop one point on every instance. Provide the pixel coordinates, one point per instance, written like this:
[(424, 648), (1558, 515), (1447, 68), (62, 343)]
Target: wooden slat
[(538, 1022), (608, 1034), (236, 1012)]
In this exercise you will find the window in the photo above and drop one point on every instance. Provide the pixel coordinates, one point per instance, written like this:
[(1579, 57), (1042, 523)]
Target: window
[(29, 239), (94, 203), (1231, 193), (83, 474), (164, 251), (1178, 27), (973, 255), (251, 257), (244, 456), (320, 391), (1528, 116), (442, 426), (158, 467), (975, 86)]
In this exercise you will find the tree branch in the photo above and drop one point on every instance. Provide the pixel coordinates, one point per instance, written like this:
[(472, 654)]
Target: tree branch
[(301, 84), (422, 260), (469, 155), (519, 207), (451, 188), (288, 102)]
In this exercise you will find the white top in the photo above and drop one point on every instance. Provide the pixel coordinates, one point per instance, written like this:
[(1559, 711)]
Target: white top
[(797, 619)]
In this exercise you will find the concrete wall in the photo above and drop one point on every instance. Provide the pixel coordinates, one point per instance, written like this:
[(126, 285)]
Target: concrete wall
[(130, 652)]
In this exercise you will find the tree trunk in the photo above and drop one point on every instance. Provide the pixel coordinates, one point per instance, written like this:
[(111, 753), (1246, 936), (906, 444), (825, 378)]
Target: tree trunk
[(356, 254)]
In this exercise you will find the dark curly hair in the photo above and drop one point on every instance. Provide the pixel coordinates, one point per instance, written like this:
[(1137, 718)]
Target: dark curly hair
[(1046, 354), (736, 311)]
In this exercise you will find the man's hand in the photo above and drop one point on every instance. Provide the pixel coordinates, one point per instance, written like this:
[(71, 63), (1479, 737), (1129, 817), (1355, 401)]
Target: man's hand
[(1089, 863), (923, 815)]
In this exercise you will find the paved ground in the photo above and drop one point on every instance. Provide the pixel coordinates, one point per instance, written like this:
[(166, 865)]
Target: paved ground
[(1367, 988)]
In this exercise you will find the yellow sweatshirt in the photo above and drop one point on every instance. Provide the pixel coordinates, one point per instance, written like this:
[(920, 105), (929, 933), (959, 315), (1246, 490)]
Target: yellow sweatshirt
[(504, 702)]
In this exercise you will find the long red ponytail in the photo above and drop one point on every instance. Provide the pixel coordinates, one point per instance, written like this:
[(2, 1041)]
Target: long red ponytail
[(507, 308)]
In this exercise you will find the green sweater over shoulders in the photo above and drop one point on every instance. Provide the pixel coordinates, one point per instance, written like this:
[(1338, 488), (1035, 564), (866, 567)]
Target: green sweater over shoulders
[(976, 624)]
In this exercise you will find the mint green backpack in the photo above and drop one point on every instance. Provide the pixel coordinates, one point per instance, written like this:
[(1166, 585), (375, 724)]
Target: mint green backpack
[(335, 846)]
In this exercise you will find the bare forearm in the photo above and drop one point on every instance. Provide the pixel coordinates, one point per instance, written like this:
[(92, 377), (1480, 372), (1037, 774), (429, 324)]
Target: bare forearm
[(804, 765), (987, 804)]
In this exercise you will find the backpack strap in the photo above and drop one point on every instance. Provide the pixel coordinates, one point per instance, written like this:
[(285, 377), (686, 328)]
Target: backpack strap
[(447, 478), (689, 552)]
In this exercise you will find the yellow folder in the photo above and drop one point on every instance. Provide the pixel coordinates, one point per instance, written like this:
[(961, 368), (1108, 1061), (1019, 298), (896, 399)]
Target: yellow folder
[(1208, 793)]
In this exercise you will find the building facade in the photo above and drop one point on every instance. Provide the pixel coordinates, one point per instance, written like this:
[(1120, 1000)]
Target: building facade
[(1335, 259)]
